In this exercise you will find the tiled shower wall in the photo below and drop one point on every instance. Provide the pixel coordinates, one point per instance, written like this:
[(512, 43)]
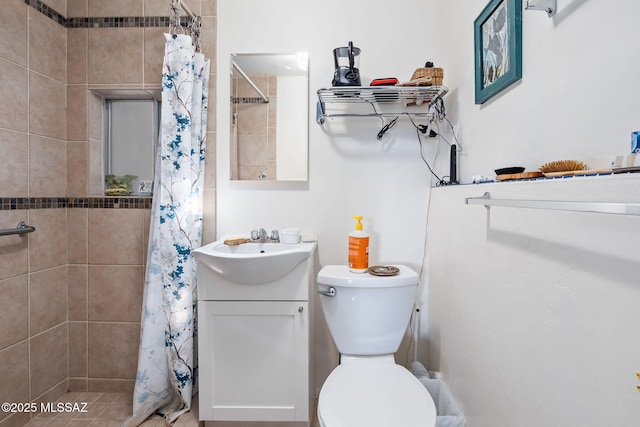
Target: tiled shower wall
[(71, 292), (256, 128)]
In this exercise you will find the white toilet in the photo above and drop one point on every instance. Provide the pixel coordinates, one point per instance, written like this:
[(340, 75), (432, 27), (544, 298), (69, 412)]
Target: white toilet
[(367, 316)]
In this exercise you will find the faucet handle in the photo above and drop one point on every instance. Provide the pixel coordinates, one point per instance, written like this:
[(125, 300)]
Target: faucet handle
[(275, 236), (255, 234), (263, 233)]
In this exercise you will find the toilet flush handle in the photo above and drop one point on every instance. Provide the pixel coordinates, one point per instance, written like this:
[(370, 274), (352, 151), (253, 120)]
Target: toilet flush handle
[(329, 292)]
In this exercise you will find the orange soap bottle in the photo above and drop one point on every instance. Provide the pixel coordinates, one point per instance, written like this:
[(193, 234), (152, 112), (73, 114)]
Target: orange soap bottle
[(358, 248)]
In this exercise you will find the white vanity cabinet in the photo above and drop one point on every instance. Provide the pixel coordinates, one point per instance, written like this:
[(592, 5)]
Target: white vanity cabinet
[(254, 347)]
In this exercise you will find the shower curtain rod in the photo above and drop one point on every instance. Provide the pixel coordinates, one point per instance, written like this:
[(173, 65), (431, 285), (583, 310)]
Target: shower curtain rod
[(187, 10), (253, 85)]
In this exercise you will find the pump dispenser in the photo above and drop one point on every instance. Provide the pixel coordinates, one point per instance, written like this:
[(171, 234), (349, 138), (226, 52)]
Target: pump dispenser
[(358, 248)]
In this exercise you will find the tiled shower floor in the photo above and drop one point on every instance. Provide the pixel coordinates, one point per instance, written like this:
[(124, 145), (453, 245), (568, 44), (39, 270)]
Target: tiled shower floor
[(104, 410), (110, 410)]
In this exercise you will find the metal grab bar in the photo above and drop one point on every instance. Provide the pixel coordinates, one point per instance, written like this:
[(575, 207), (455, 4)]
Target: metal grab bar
[(20, 229), (593, 207)]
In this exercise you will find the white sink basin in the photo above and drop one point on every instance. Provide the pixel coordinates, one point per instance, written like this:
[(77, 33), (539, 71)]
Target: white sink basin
[(253, 263)]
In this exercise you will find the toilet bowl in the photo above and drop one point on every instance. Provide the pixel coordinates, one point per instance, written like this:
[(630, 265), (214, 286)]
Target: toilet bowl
[(367, 316)]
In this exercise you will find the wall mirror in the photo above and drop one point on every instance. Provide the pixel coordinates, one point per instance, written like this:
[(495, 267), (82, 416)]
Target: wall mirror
[(269, 117)]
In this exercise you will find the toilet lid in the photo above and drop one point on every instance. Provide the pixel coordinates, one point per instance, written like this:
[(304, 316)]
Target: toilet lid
[(374, 395)]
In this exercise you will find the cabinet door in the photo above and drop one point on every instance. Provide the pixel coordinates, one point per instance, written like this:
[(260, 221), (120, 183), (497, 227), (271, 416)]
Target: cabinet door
[(254, 360)]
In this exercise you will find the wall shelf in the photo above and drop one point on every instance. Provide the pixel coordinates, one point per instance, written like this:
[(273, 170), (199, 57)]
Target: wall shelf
[(377, 101)]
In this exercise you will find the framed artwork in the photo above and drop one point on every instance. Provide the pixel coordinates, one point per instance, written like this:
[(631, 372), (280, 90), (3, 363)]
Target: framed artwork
[(498, 47)]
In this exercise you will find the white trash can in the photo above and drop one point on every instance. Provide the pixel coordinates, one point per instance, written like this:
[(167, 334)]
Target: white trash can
[(448, 414)]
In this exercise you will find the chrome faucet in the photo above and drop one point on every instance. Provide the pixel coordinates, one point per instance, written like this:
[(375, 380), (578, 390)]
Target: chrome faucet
[(260, 236)]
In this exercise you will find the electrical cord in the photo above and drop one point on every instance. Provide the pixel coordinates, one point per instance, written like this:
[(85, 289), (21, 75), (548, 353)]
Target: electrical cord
[(386, 127), (440, 115), (418, 131)]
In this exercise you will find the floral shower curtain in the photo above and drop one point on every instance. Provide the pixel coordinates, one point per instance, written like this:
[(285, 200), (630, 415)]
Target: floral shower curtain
[(165, 381)]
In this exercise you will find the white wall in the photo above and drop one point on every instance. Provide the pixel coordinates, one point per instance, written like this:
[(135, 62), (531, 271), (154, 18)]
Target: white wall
[(533, 314), (350, 171), (577, 98)]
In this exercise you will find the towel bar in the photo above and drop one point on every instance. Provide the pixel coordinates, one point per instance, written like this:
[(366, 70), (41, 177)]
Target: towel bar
[(593, 207)]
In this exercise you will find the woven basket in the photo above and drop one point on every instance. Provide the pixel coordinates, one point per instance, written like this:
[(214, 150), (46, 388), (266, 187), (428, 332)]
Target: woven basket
[(437, 74)]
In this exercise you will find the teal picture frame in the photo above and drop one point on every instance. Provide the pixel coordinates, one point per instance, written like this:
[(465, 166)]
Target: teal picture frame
[(498, 48)]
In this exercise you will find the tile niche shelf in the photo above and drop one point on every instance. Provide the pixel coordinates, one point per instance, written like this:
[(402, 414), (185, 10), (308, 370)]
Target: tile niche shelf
[(377, 101)]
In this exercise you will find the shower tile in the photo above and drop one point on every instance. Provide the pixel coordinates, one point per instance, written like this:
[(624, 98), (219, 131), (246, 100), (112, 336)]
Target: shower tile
[(47, 47), (146, 220), (14, 172), (77, 55), (48, 245), (14, 309), (77, 169), (77, 9), (252, 119), (96, 167), (17, 419), (78, 384), (77, 113), (209, 7), (156, 8), (55, 392), (210, 162), (115, 236), (48, 299), (13, 31), (246, 90), (161, 7), (194, 5), (77, 292), (14, 250), (208, 39), (154, 42), (47, 112), (59, 6), (272, 110), (77, 349), (111, 52), (14, 371), (77, 235), (49, 359), (115, 293), (47, 167), (14, 105), (102, 8), (271, 144), (112, 386), (213, 106), (116, 412), (96, 120), (252, 150), (273, 87), (111, 353), (209, 223)]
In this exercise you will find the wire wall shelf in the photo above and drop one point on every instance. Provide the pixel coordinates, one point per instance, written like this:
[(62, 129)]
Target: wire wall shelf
[(377, 101)]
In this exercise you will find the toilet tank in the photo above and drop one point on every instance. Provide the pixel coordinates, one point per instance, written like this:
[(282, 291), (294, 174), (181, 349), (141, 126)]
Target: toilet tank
[(367, 315)]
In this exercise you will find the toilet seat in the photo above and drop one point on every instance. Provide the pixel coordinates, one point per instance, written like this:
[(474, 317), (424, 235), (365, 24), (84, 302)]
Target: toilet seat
[(374, 395)]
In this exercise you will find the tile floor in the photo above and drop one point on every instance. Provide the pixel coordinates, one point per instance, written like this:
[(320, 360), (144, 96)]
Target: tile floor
[(109, 410), (104, 410)]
